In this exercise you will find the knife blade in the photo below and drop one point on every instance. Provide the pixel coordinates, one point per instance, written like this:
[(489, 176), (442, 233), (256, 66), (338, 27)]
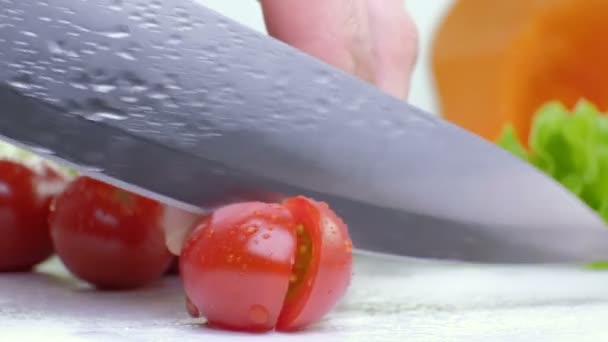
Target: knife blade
[(175, 101)]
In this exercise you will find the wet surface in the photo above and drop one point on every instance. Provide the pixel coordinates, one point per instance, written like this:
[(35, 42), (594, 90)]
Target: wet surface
[(388, 301)]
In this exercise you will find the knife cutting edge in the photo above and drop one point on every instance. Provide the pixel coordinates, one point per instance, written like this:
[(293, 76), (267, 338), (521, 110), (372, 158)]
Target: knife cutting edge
[(191, 108)]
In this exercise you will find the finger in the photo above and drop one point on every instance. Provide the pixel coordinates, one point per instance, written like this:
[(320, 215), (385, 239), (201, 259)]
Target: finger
[(374, 40)]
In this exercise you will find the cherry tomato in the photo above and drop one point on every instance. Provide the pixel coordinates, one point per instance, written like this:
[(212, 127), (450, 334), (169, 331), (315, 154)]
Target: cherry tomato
[(25, 240), (257, 266), (109, 237), (236, 264)]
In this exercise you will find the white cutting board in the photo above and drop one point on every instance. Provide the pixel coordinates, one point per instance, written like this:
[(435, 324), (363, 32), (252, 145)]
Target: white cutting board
[(388, 301)]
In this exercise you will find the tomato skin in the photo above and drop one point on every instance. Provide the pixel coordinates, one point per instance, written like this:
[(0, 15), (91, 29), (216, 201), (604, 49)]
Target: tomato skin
[(236, 265), (25, 240), (328, 276), (108, 237)]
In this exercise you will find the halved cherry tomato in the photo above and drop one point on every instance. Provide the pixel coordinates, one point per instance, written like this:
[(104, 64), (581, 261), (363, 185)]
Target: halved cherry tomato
[(257, 266), (25, 240), (107, 236)]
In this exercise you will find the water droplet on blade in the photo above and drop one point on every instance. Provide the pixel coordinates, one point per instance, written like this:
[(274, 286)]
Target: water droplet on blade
[(100, 116), (21, 81), (125, 55), (103, 88), (120, 32)]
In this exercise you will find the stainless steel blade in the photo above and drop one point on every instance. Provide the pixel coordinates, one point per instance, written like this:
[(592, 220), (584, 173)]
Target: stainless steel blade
[(175, 101)]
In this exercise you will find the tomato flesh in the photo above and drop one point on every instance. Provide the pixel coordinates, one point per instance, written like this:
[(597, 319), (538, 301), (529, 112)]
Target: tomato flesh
[(257, 266), (236, 265), (323, 264), (109, 237), (25, 240)]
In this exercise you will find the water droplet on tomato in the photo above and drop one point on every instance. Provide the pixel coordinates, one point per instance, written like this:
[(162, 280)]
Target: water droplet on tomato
[(251, 230), (258, 314), (210, 233), (348, 246), (266, 236), (230, 258)]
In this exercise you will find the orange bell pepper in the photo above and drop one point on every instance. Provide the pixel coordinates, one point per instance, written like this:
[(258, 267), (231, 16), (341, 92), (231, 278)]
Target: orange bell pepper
[(497, 62)]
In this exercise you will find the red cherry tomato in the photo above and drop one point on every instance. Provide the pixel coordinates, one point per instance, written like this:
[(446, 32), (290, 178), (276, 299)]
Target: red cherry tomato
[(256, 266), (236, 264), (107, 236), (25, 239)]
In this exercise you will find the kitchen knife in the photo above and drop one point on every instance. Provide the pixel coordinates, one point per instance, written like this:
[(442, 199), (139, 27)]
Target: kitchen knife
[(174, 101)]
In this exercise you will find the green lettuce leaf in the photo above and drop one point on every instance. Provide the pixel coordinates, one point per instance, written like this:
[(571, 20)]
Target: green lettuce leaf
[(572, 147)]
